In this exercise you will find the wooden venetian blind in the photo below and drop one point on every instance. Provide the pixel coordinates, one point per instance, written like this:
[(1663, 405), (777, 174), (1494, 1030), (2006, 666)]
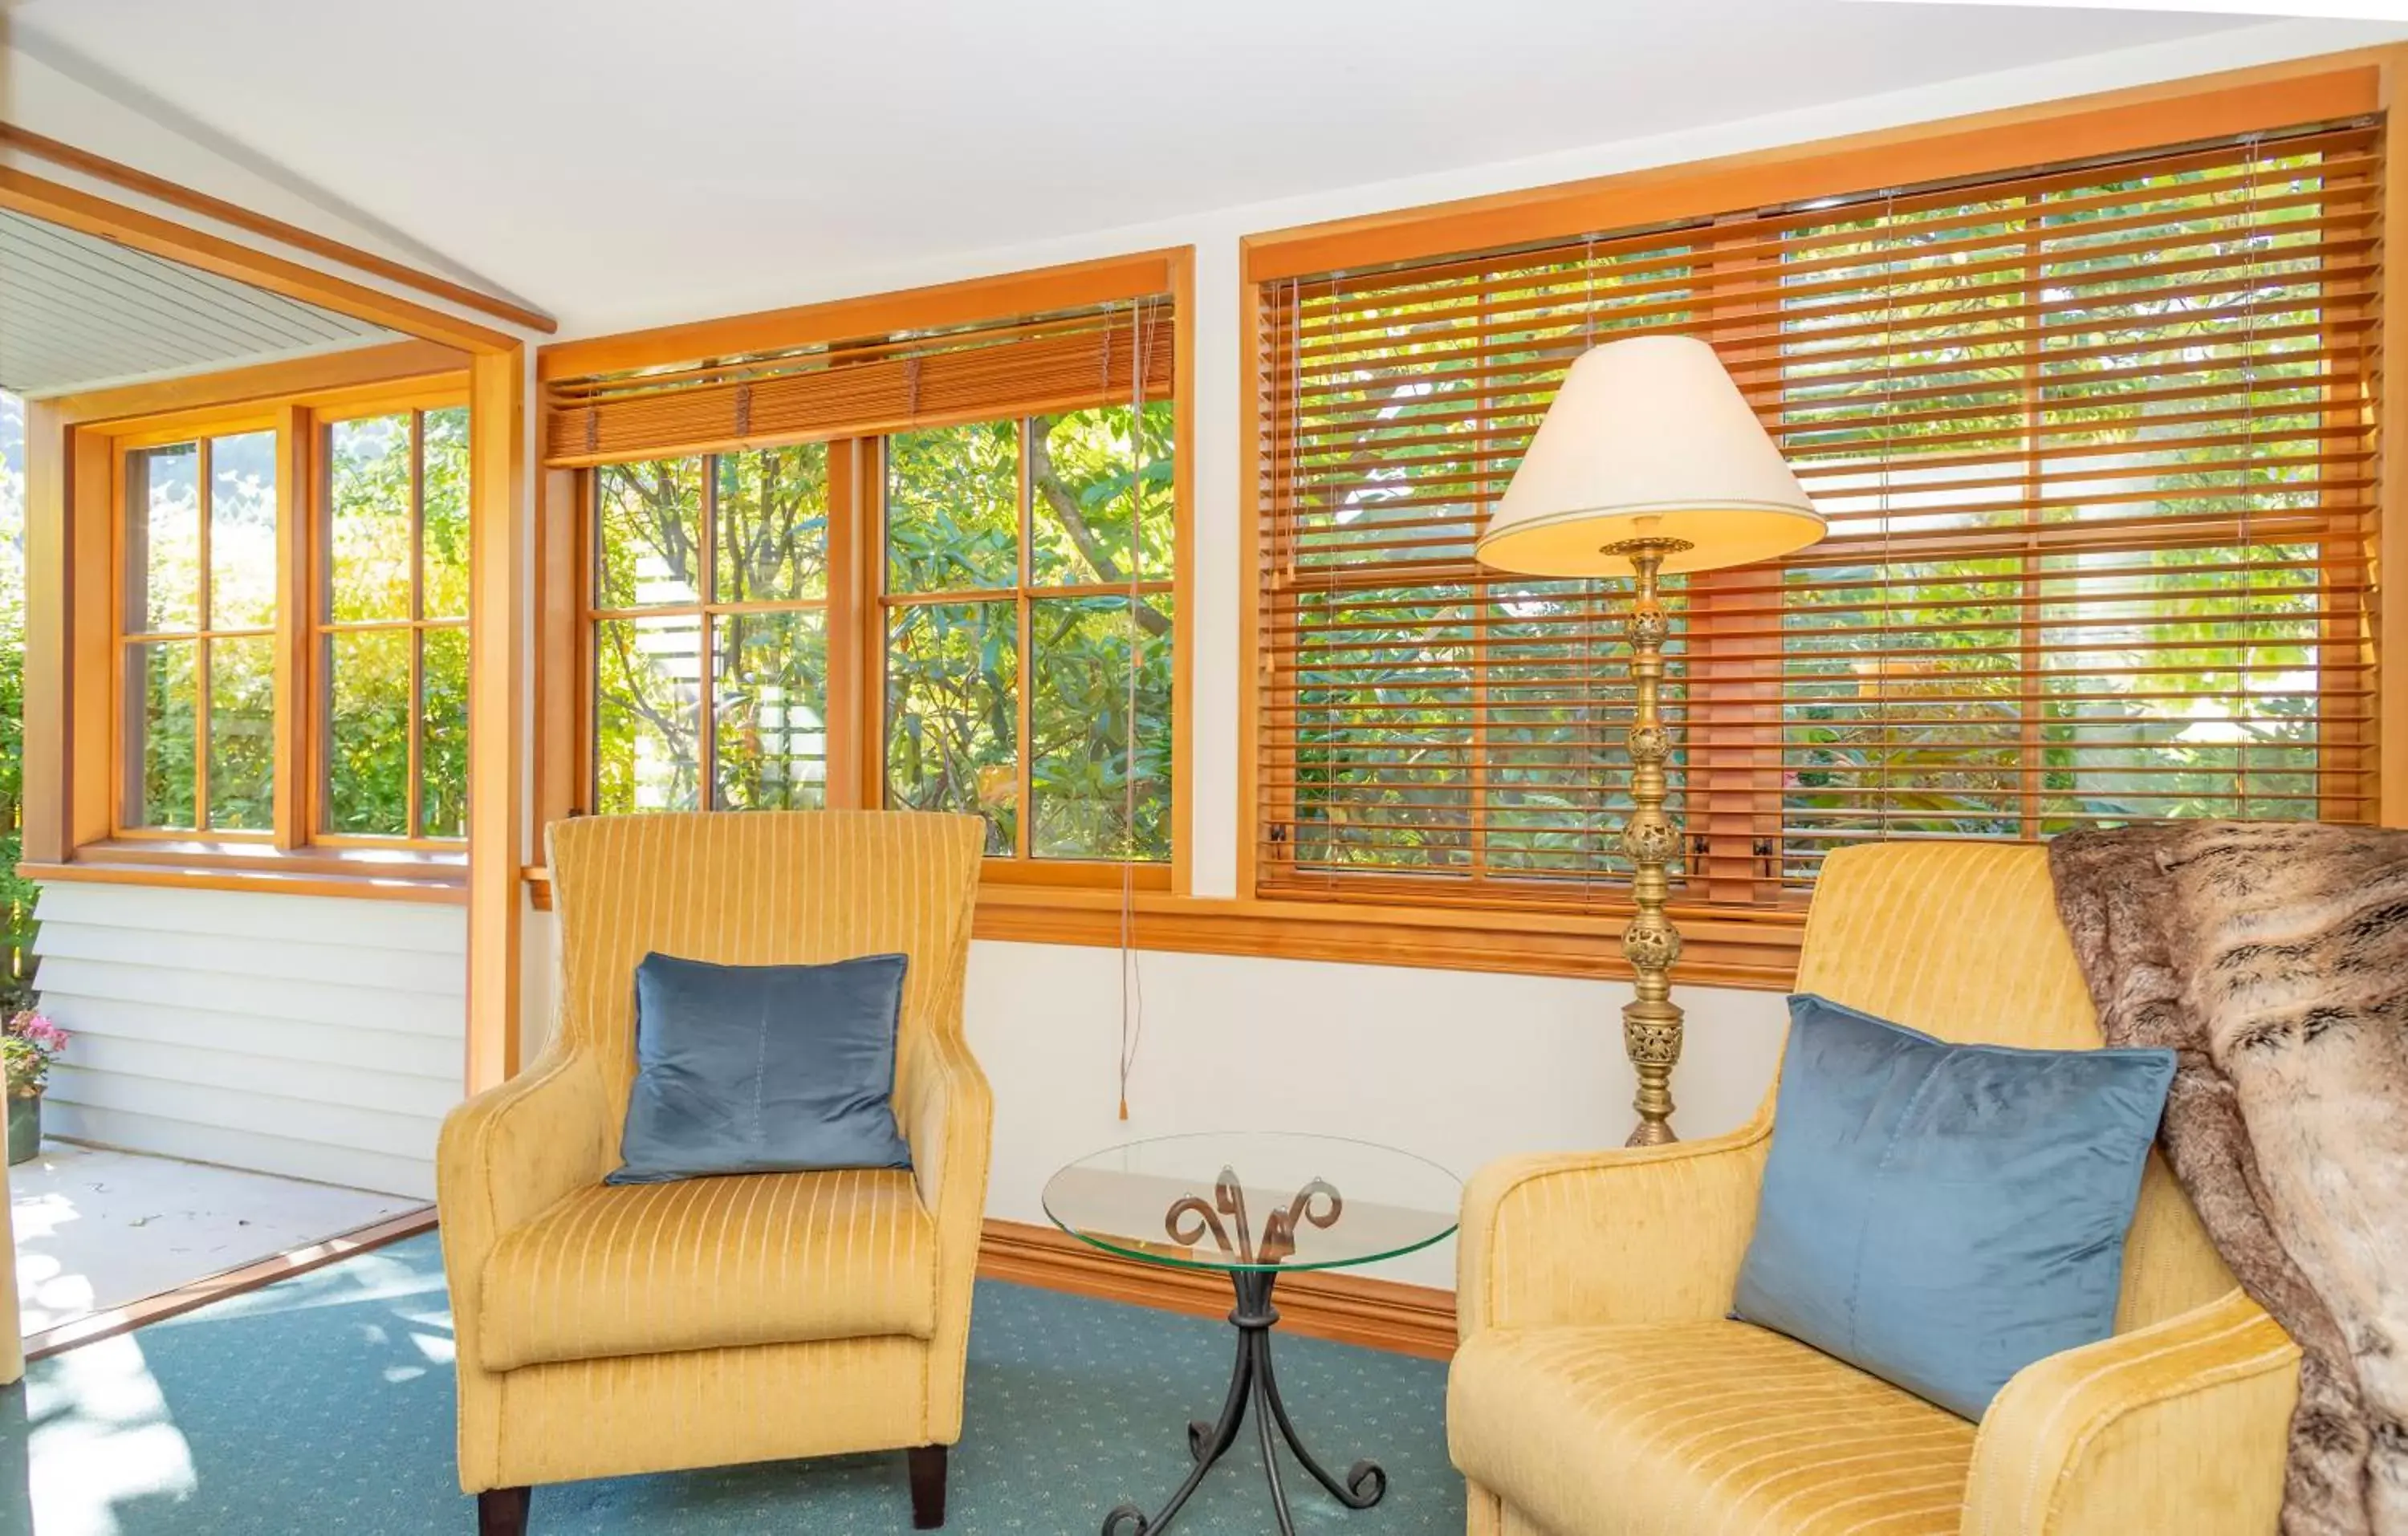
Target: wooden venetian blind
[(862, 387), (2093, 442)]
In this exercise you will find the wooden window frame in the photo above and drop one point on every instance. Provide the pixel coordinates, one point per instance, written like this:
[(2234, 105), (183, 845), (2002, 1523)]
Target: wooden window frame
[(706, 607), (1020, 867), (298, 401), (565, 548), (2122, 123), (149, 436), (415, 400)]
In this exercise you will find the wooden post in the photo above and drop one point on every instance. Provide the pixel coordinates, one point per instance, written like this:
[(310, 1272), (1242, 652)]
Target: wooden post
[(496, 724)]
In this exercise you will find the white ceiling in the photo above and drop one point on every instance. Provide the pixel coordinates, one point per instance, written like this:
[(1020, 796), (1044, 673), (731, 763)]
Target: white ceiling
[(624, 161), (77, 312)]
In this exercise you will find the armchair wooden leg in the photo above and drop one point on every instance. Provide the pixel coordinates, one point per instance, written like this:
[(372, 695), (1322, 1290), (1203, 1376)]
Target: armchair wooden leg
[(502, 1511), (928, 1463)]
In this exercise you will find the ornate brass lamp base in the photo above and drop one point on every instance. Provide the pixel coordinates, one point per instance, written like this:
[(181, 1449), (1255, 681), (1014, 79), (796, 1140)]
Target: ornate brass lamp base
[(1651, 1021)]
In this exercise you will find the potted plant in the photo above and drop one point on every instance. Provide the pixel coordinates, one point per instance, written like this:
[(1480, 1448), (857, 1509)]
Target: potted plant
[(28, 1044)]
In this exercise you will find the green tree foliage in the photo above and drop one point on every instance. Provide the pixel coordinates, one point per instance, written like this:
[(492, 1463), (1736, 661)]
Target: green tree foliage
[(16, 896), (1098, 511), (1099, 514)]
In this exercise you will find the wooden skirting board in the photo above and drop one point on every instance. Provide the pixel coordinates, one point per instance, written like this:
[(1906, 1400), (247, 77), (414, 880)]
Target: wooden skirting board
[(1319, 1303)]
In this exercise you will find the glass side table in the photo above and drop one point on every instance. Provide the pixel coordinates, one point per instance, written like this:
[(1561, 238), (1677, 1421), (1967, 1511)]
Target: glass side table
[(1251, 1204)]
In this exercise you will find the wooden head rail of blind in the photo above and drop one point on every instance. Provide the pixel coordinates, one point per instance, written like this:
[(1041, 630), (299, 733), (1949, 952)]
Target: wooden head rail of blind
[(2095, 443), (878, 384)]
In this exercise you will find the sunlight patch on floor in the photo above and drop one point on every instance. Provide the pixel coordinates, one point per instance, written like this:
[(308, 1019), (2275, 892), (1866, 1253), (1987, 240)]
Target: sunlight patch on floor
[(101, 1438)]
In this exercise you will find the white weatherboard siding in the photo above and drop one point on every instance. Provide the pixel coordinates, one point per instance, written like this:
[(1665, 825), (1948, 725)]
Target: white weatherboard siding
[(308, 1036)]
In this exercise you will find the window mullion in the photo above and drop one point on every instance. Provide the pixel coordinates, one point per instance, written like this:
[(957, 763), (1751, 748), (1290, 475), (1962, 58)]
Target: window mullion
[(1024, 668), (706, 755), (414, 810), (203, 474), (297, 506)]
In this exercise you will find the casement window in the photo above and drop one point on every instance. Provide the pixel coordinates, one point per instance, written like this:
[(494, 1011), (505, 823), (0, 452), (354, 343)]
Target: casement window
[(346, 527), (391, 619), (196, 641), (1026, 634), (2093, 442), (923, 567)]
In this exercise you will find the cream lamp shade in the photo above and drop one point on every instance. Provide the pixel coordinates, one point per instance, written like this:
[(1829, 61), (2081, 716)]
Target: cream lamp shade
[(1648, 438)]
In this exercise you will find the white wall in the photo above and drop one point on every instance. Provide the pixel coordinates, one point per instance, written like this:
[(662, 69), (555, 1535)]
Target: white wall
[(308, 1036)]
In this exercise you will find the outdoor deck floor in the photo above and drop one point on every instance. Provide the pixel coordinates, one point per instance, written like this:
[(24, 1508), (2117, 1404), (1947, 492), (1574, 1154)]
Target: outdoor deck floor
[(97, 1228)]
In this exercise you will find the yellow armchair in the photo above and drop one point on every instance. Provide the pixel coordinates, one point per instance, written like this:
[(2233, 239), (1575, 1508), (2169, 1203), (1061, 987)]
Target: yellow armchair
[(604, 1331), (1599, 1389)]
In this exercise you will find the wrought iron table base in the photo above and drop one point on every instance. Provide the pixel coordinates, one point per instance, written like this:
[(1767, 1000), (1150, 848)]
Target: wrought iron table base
[(1251, 1381)]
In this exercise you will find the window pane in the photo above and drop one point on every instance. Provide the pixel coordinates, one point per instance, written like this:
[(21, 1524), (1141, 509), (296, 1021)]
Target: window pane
[(1079, 719), (773, 524), (951, 715), (647, 713), (368, 480), (1087, 483), (651, 532), (769, 711), (443, 583), (163, 539), (367, 733), (159, 716), (242, 734), (443, 739), (242, 532), (160, 711), (952, 508)]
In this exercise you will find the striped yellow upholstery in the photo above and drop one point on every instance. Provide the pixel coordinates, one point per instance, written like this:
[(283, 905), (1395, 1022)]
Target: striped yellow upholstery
[(604, 1331), (712, 1264), (1591, 1289), (1642, 1428)]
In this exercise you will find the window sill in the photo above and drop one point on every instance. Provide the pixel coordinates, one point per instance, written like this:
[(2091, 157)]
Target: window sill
[(1721, 946), (375, 875)]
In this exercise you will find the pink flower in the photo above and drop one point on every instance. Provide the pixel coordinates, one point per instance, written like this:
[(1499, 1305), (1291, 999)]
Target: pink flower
[(38, 1032)]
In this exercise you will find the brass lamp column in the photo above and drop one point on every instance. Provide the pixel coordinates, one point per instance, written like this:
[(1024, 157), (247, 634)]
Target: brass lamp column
[(1650, 462)]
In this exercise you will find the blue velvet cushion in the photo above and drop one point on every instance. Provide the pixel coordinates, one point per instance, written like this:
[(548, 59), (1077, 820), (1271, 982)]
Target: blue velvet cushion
[(1942, 1216), (762, 1069)]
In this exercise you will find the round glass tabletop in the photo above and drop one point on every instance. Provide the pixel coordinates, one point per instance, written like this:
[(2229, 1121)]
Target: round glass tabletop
[(1254, 1200)]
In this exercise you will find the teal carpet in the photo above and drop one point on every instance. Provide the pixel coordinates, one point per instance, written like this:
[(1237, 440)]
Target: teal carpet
[(324, 1404)]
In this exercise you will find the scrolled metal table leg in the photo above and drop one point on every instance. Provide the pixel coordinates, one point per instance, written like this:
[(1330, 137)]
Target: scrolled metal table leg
[(1366, 1480), (1206, 1443), (1251, 1381)]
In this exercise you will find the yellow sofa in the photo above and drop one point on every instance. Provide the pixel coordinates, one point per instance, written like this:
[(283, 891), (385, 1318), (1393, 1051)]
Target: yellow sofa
[(605, 1330), (1599, 1389)]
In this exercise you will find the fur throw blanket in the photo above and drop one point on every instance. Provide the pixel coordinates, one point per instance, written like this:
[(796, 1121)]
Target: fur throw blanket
[(2273, 958)]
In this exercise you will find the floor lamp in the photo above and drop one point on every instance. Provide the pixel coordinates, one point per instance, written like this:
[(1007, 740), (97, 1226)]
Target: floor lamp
[(1649, 463)]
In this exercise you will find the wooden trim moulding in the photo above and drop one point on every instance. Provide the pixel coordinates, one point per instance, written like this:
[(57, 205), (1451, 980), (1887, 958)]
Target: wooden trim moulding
[(256, 876), (972, 301), (1317, 1303), (234, 1282), (2391, 494), (390, 366), (2324, 88), (1751, 949), (177, 195)]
